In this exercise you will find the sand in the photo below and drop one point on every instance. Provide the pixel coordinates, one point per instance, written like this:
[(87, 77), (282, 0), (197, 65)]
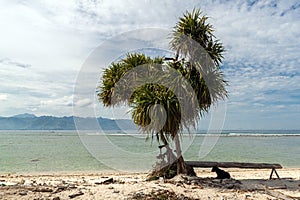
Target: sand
[(246, 184)]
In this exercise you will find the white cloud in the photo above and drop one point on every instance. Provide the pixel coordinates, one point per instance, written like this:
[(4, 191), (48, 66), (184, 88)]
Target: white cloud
[(257, 33), (3, 97), (60, 101), (7, 61), (83, 102)]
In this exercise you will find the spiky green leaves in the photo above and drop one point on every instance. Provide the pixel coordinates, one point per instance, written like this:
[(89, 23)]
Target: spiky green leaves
[(193, 38), (193, 26), (113, 74)]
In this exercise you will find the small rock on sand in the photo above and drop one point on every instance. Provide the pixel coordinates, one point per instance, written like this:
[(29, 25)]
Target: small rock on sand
[(22, 193), (76, 194)]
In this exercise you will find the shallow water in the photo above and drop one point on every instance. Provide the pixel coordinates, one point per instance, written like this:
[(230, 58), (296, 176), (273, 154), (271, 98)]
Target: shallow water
[(39, 151)]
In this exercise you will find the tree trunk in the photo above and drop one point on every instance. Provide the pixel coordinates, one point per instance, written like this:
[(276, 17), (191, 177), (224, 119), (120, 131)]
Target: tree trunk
[(181, 166)]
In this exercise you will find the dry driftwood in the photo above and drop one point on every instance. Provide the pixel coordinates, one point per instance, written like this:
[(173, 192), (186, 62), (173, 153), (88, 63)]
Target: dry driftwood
[(208, 164)]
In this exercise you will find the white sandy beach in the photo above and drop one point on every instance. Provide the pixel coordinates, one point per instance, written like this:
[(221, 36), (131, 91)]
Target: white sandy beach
[(246, 184)]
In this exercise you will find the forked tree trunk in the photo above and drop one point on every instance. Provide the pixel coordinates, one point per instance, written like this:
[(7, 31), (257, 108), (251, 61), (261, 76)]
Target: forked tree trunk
[(181, 166)]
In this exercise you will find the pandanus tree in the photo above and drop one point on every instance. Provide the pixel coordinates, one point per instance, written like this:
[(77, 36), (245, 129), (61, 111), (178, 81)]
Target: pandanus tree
[(198, 55)]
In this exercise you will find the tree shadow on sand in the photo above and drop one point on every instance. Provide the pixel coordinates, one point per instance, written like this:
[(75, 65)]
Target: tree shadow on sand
[(285, 188)]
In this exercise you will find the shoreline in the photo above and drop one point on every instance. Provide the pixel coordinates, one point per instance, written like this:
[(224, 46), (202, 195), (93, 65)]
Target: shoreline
[(113, 172), (101, 171), (246, 184)]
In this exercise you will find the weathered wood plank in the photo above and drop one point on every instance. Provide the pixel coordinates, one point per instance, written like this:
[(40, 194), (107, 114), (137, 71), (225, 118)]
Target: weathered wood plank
[(208, 164)]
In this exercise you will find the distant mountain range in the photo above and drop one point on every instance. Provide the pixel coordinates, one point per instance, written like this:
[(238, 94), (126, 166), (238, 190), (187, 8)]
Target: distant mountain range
[(31, 122)]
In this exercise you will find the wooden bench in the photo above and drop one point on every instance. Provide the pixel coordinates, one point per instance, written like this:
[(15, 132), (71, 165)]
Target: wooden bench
[(208, 164)]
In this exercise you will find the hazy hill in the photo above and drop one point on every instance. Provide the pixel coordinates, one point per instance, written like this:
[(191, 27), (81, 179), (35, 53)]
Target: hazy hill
[(31, 122)]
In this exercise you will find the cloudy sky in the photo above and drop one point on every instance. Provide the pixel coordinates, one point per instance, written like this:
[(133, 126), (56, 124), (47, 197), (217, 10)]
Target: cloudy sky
[(45, 43)]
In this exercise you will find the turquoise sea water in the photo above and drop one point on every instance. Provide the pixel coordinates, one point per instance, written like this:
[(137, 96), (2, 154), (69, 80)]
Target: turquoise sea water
[(40, 151)]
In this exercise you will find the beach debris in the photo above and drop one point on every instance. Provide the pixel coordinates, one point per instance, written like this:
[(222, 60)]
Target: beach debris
[(159, 194), (59, 189), (3, 183), (23, 193), (138, 195), (76, 194), (42, 190), (161, 179), (72, 186), (107, 181), (27, 183)]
